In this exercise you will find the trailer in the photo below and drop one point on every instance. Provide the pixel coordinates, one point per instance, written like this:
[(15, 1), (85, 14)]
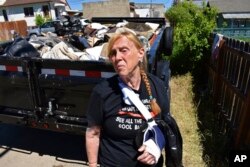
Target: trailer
[(53, 94)]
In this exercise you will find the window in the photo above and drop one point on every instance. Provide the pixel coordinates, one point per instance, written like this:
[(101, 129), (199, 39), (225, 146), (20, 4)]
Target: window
[(5, 15), (239, 23), (45, 9), (28, 11), (56, 11), (242, 23)]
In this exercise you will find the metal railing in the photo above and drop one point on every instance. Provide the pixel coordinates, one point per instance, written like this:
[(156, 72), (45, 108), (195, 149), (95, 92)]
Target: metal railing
[(234, 32)]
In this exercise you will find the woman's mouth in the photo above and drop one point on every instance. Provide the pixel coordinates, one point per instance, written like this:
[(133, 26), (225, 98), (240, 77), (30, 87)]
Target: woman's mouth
[(119, 67)]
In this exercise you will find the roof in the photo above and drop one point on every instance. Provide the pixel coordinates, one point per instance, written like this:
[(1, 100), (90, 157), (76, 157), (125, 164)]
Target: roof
[(231, 6), (23, 2)]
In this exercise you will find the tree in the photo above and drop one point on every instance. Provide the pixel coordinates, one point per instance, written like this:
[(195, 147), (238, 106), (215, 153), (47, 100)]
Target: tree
[(192, 27), (39, 20)]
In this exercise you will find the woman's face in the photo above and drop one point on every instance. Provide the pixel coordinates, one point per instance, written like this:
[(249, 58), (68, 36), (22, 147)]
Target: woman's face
[(125, 56)]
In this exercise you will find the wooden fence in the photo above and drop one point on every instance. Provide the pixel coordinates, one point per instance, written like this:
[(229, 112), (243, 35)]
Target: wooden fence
[(229, 76), (6, 27)]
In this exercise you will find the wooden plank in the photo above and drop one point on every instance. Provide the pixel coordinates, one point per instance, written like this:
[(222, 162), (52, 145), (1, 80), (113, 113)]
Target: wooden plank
[(18, 26), (244, 126)]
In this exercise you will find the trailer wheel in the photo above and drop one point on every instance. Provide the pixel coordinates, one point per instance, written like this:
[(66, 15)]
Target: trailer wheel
[(169, 40)]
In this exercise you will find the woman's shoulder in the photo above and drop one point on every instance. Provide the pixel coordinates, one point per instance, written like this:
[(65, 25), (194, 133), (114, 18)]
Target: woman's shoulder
[(158, 84), (155, 79), (107, 85), (151, 76), (108, 81)]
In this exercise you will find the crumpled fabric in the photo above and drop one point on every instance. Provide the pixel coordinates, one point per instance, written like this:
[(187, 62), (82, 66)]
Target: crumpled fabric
[(60, 51), (216, 46)]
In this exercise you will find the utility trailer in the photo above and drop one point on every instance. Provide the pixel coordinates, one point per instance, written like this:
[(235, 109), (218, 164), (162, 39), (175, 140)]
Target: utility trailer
[(53, 94)]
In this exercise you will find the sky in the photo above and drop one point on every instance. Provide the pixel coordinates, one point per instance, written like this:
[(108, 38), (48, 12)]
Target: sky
[(77, 4)]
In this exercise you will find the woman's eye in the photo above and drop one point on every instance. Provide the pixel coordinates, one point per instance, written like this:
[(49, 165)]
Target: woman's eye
[(112, 53), (124, 50)]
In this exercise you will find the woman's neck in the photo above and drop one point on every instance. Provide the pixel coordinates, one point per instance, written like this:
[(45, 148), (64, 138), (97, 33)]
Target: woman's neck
[(133, 80), (134, 83)]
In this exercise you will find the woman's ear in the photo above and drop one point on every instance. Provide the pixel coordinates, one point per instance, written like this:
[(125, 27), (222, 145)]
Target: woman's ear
[(141, 53)]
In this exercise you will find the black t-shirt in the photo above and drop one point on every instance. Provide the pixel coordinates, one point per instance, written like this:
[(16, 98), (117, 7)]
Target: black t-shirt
[(120, 122)]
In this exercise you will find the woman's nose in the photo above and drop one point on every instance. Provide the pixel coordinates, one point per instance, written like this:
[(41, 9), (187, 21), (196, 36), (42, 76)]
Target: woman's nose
[(118, 55)]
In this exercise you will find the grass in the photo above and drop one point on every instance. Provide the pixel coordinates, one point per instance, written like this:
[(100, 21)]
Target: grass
[(184, 111), (203, 144)]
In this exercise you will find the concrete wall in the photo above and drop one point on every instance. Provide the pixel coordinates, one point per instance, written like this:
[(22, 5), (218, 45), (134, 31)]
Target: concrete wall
[(111, 8), (155, 10)]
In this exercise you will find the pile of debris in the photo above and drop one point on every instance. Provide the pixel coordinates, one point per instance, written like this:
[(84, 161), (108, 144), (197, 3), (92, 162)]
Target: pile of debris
[(90, 44)]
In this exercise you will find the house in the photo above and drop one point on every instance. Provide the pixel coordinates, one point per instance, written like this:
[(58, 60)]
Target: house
[(150, 9), (232, 13), (13, 10), (110, 8)]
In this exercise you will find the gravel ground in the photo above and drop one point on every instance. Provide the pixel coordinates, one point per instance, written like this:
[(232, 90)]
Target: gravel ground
[(21, 146)]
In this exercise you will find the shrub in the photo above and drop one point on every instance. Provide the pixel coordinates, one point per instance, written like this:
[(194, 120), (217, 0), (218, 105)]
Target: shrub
[(39, 20), (192, 27)]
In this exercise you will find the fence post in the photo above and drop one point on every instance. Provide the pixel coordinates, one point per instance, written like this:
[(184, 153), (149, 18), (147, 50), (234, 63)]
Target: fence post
[(217, 74)]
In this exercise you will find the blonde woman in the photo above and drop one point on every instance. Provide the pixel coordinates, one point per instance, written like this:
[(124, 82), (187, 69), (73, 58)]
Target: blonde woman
[(113, 124)]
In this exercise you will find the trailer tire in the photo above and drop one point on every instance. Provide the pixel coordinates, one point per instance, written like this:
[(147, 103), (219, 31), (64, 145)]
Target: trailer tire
[(169, 40)]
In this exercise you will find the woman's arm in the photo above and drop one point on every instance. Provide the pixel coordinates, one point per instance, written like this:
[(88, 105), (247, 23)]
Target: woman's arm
[(92, 144)]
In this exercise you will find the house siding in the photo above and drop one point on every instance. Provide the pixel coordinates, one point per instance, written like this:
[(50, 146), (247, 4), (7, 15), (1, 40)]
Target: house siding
[(231, 7), (230, 22), (16, 13)]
